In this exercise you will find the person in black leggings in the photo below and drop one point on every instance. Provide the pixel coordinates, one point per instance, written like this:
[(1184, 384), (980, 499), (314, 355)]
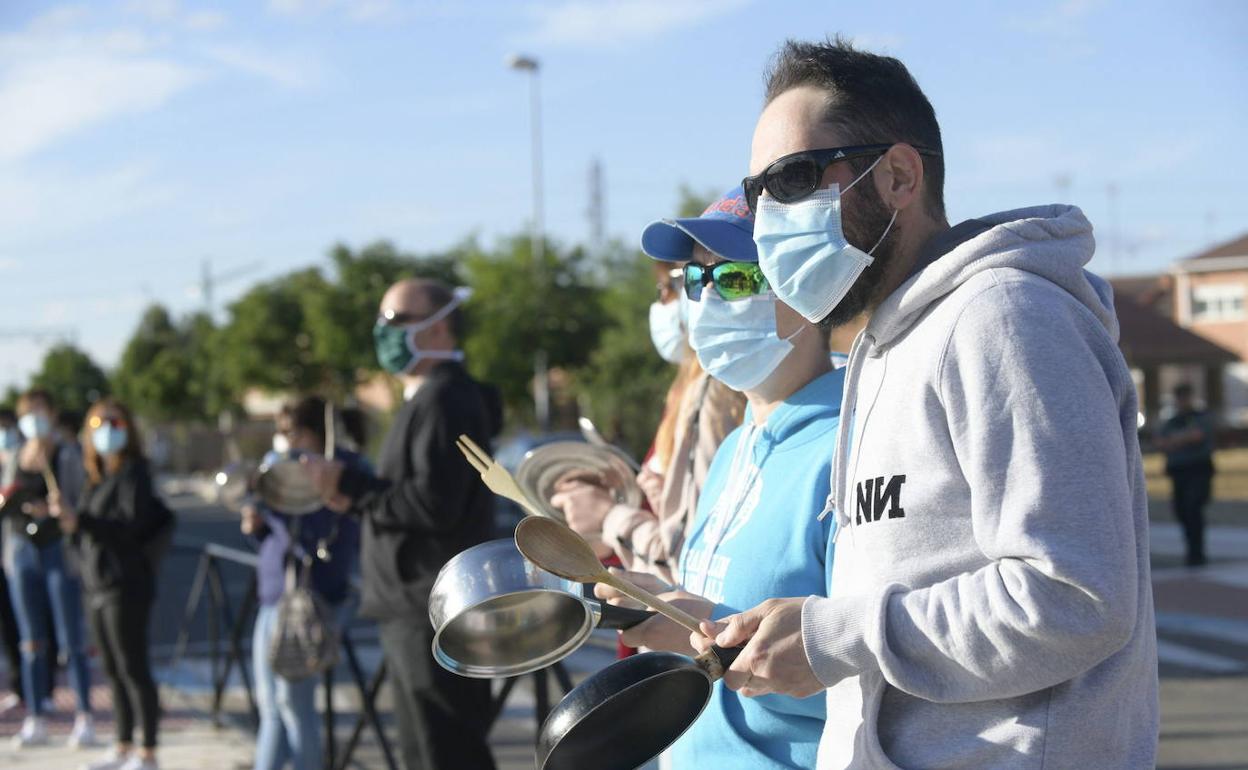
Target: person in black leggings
[(115, 526)]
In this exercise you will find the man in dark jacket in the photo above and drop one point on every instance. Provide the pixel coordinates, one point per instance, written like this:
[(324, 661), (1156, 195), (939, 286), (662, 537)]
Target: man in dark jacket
[(1187, 440), (426, 506)]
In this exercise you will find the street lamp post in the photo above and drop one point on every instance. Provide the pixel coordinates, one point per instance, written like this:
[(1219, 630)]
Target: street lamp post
[(537, 242)]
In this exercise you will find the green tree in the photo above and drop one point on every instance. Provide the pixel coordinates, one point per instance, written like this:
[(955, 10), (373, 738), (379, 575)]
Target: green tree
[(340, 319), (623, 385), (71, 377), (520, 307), (266, 343), (691, 203), (165, 369)]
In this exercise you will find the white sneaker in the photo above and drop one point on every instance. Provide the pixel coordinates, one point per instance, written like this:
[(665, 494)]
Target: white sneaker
[(34, 732), (9, 702), (114, 761), (83, 734), (138, 763)]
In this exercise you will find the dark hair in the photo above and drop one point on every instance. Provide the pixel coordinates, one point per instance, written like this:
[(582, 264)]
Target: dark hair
[(307, 413), (440, 295), (1183, 390), (871, 99), (24, 401), (133, 450), (7, 414), (70, 420), (355, 423)]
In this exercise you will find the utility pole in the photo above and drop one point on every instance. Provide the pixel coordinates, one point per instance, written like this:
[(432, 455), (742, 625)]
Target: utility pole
[(537, 236), (597, 211)]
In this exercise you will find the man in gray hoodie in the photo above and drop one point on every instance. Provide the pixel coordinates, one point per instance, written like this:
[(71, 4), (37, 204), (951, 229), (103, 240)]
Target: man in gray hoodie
[(990, 602)]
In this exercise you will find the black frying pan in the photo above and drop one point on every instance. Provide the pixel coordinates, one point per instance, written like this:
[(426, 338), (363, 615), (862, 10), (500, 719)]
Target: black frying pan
[(624, 715)]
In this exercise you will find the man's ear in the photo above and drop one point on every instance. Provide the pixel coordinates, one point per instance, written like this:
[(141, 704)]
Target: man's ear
[(899, 177)]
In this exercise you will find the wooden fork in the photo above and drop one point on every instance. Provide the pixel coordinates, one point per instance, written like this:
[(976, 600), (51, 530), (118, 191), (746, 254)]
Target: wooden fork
[(496, 476)]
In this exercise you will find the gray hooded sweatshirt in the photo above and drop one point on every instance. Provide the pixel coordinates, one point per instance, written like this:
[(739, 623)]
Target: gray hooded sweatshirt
[(990, 603)]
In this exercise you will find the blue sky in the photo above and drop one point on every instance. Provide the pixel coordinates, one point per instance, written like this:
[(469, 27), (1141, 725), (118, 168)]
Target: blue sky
[(139, 137)]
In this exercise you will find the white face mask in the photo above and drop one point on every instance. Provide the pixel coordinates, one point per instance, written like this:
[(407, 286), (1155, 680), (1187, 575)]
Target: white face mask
[(736, 341), (803, 251), (34, 425), (281, 444), (667, 329)]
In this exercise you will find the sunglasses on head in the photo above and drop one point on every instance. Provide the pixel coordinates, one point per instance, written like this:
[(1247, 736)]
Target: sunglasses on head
[(793, 177), (732, 280)]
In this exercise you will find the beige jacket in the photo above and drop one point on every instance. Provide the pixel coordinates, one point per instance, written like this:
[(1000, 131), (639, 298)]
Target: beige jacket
[(649, 541)]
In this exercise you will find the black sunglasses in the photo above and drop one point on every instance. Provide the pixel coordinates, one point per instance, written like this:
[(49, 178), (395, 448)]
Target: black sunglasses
[(796, 176), (732, 280)]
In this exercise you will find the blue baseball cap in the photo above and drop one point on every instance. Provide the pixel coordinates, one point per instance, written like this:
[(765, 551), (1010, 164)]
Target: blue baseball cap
[(726, 229)]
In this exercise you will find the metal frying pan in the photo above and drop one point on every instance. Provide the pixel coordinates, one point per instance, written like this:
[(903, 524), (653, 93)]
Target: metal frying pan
[(497, 615), (624, 715), (285, 486), (544, 466)]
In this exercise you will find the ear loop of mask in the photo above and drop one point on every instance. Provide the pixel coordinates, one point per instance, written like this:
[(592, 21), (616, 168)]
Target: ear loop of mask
[(891, 220), (459, 296)]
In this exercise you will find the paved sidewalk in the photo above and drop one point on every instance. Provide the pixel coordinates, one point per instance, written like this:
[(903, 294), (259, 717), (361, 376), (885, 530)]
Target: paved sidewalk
[(1202, 620)]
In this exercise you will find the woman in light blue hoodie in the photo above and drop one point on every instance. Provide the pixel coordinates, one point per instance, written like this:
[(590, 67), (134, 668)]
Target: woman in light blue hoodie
[(747, 543)]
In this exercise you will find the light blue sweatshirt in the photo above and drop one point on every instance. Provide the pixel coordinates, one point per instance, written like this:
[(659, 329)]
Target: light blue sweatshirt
[(752, 541)]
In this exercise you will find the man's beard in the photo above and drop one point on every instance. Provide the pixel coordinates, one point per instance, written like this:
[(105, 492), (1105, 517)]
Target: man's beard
[(867, 222)]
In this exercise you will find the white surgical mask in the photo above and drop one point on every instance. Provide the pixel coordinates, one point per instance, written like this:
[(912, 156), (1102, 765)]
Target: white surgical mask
[(281, 444), (34, 425), (736, 341), (803, 251), (108, 440), (667, 329)]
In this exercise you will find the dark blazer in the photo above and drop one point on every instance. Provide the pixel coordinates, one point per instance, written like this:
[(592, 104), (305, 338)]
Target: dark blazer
[(427, 504)]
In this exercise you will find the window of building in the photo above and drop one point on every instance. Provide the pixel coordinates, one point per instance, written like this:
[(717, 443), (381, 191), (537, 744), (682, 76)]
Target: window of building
[(1218, 302)]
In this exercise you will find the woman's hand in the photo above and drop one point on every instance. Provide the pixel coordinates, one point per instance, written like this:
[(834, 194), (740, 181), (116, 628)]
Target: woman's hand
[(63, 512), (651, 484), (657, 633), (251, 519)]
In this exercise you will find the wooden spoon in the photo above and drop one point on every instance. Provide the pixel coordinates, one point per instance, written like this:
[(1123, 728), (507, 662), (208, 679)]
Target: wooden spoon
[(555, 548)]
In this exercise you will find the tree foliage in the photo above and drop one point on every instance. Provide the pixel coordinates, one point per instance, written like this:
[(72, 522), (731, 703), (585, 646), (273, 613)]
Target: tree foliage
[(521, 305), (71, 377), (340, 318), (624, 383), (166, 371)]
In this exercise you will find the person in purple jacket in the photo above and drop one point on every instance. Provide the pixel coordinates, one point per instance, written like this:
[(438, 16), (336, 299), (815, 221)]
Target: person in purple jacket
[(289, 728)]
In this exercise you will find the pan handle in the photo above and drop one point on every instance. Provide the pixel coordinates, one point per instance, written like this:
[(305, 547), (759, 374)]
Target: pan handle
[(620, 618), (726, 655)]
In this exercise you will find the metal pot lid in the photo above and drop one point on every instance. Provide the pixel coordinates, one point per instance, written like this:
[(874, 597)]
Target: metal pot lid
[(544, 466), (285, 487)]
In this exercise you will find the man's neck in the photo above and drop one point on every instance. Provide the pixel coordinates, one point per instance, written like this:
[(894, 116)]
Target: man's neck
[(914, 242), (796, 372)]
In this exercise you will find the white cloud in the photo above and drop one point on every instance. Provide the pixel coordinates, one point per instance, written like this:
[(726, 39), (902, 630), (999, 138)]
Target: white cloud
[(35, 206), (602, 23), (8, 263), (204, 21), (47, 99), (356, 10), (284, 70), (156, 10)]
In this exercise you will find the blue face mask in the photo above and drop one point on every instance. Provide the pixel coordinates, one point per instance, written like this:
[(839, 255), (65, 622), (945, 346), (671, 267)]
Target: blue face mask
[(736, 341), (34, 425), (667, 329), (803, 251), (10, 439), (108, 440)]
